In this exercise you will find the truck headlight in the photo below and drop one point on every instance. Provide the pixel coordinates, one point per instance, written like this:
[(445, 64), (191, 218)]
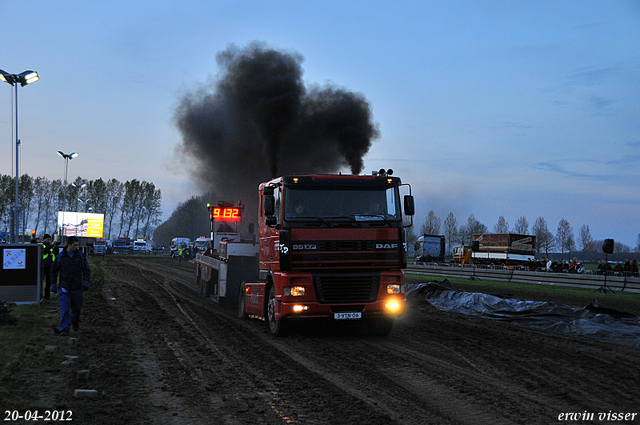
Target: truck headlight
[(392, 305), (395, 289), (294, 291)]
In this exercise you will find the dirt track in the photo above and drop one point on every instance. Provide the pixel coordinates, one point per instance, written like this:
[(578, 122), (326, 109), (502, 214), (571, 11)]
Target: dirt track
[(200, 364)]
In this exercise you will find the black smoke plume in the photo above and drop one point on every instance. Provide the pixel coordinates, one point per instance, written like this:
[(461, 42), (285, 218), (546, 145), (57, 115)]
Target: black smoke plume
[(258, 121)]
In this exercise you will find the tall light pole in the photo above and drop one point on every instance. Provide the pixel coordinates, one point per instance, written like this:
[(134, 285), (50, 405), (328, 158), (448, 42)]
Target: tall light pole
[(24, 78), (85, 204), (78, 190), (66, 157)]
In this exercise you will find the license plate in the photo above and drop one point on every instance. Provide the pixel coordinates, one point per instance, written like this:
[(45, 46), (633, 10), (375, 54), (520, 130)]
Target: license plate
[(347, 316)]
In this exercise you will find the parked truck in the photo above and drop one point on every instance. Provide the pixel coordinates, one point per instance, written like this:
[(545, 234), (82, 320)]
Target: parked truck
[(506, 249), (430, 248), (142, 246), (329, 246), (121, 245), (100, 246)]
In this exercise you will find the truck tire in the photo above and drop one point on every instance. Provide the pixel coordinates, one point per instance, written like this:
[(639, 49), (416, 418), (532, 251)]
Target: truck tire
[(380, 326), (242, 301), (277, 327)]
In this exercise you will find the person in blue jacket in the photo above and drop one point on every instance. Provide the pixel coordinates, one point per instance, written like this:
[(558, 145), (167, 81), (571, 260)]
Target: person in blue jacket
[(74, 273)]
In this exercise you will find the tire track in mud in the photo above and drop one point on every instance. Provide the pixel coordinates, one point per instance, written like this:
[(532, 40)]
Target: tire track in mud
[(273, 381), (396, 407), (206, 369), (407, 403)]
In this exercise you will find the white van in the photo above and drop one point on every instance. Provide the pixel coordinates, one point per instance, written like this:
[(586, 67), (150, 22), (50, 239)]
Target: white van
[(179, 243), (142, 247)]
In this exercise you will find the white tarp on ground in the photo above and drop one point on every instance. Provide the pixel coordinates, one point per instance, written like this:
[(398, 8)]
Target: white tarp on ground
[(593, 321)]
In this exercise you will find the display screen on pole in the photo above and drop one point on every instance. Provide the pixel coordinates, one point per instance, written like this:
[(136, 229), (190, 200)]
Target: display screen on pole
[(225, 214), (81, 224)]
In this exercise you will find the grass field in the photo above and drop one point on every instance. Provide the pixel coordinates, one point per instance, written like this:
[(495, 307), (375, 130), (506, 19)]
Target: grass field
[(23, 348)]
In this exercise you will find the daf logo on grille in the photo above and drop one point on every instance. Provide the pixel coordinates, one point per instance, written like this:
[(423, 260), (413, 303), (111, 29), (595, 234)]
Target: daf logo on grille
[(305, 246), (386, 246)]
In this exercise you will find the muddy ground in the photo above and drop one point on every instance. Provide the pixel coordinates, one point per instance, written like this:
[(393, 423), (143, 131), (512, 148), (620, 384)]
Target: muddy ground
[(161, 354)]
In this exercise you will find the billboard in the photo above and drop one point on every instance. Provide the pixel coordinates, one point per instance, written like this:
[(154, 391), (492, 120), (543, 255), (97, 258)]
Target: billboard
[(81, 224)]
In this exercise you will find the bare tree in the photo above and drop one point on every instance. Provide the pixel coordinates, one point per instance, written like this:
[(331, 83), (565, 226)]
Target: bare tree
[(472, 227), (115, 189), (129, 210), (411, 238), (152, 199), (544, 238), (6, 200), (52, 207), (638, 243), (192, 218), (522, 226), (97, 191), (41, 195), (564, 237), (501, 226), (431, 225), (451, 230), (26, 199), (620, 247), (587, 244)]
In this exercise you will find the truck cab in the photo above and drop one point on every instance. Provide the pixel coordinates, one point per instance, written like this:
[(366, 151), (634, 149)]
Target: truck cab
[(330, 246)]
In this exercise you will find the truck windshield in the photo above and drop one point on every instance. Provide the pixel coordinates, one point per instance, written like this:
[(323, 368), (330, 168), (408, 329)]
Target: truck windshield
[(370, 204)]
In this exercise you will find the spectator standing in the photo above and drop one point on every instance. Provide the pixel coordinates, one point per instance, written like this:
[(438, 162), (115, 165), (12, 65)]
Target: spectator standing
[(549, 265), (48, 257), (573, 265), (74, 273)]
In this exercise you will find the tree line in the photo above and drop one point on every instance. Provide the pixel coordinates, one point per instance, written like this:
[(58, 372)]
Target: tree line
[(190, 219), (563, 240), (131, 209)]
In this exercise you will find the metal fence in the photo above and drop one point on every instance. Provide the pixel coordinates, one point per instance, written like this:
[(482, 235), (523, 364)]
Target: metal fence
[(588, 281)]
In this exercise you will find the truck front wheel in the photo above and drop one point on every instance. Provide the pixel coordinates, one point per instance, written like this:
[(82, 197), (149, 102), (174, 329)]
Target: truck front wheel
[(277, 327)]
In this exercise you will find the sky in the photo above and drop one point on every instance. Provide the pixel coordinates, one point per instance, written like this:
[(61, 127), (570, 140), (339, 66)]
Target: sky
[(490, 108)]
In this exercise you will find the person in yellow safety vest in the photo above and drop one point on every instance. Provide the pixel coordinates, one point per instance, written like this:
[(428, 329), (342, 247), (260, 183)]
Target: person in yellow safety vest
[(48, 257), (180, 250)]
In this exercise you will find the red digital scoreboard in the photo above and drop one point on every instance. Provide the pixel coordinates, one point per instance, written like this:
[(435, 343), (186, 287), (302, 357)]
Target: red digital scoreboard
[(225, 213)]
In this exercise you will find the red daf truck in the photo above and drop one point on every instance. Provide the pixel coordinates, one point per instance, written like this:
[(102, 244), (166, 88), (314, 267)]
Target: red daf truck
[(329, 246)]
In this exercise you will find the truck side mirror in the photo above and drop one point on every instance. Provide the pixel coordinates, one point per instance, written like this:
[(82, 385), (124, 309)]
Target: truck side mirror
[(269, 205), (409, 205), (251, 228)]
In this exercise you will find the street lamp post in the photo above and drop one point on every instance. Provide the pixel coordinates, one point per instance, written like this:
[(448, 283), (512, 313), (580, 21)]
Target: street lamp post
[(85, 204), (66, 157), (24, 78), (78, 190)]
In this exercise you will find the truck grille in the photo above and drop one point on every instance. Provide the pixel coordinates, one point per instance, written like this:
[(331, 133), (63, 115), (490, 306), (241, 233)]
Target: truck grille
[(347, 288), (345, 254)]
